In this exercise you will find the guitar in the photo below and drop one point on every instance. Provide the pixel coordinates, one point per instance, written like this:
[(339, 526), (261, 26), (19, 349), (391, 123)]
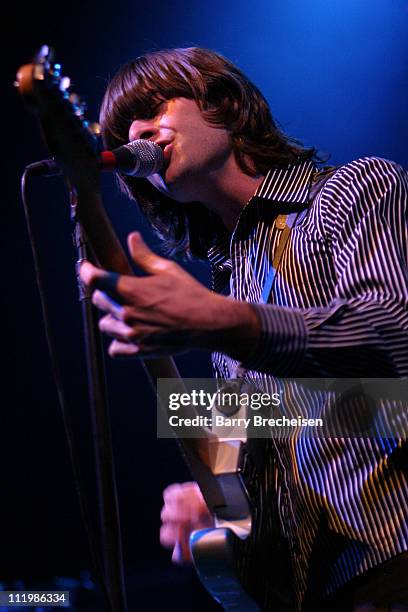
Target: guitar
[(215, 463)]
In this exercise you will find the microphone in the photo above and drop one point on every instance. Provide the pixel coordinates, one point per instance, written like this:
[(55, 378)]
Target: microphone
[(139, 158)]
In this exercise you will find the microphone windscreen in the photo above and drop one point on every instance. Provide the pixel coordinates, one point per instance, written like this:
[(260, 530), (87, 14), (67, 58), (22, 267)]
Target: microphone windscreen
[(148, 157)]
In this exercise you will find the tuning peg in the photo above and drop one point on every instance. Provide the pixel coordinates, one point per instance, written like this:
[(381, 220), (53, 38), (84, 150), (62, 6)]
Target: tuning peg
[(64, 83), (94, 128), (45, 54), (78, 104), (74, 99)]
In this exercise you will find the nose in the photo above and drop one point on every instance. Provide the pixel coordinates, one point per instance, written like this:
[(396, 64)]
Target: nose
[(143, 129)]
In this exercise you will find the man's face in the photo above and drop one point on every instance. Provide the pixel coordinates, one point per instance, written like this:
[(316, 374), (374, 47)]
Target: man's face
[(194, 151)]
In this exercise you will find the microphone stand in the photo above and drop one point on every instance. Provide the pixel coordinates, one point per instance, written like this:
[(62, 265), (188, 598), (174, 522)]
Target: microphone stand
[(111, 544)]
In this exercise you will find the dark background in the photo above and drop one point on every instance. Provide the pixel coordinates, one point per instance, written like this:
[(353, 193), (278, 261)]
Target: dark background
[(335, 74)]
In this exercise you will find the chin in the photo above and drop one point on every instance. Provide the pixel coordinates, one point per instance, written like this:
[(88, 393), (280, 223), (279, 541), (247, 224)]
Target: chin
[(178, 190), (182, 196)]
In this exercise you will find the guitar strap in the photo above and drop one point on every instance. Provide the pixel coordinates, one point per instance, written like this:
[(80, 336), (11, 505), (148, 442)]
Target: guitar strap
[(285, 224)]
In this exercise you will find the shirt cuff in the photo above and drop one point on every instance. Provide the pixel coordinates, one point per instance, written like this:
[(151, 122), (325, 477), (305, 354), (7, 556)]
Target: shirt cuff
[(282, 343)]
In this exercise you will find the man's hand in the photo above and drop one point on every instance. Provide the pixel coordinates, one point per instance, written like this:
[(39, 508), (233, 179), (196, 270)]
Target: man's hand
[(184, 511), (167, 311)]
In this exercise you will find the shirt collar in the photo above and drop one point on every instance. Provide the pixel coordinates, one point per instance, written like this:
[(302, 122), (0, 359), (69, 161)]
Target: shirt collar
[(287, 189)]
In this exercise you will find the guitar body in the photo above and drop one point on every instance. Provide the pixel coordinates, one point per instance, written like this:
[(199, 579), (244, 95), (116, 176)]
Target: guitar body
[(214, 556)]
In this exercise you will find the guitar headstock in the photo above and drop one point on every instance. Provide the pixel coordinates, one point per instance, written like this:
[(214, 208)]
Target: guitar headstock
[(45, 73), (69, 136)]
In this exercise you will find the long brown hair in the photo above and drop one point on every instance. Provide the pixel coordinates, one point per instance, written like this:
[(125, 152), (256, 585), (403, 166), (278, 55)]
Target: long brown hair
[(226, 98)]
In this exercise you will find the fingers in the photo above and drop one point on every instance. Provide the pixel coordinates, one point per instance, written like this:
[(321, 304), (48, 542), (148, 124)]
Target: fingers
[(118, 349), (169, 535), (182, 502), (181, 551), (99, 279), (184, 506), (121, 288), (175, 532), (106, 303), (115, 328), (133, 338), (184, 511), (177, 555), (122, 350), (179, 541), (138, 307), (144, 257), (125, 333)]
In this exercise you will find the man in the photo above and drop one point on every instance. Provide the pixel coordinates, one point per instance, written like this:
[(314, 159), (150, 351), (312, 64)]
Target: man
[(325, 297)]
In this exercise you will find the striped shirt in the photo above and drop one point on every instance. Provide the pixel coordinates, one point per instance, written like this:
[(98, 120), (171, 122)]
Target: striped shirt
[(338, 308)]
